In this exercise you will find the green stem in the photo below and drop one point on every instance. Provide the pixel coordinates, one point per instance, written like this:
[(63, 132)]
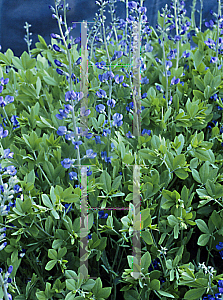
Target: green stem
[(164, 61), (72, 102), (217, 45), (201, 1), (110, 80), (176, 24)]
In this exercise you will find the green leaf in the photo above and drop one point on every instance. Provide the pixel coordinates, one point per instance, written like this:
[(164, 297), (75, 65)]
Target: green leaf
[(97, 287), (216, 219), (87, 286), (146, 235), (46, 201), (199, 83), (198, 94), (145, 262), (210, 187), (105, 178), (71, 284), (203, 239), (196, 175), (172, 220), (62, 252), (50, 80), (208, 78), (128, 159), (202, 226), (71, 296), (131, 295), (215, 82), (165, 294), (104, 293), (50, 265), (116, 183), (155, 284), (194, 294), (52, 254)]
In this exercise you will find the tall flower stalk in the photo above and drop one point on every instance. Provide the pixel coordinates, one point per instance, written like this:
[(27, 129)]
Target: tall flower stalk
[(70, 85), (218, 21), (201, 13), (177, 31), (110, 78)]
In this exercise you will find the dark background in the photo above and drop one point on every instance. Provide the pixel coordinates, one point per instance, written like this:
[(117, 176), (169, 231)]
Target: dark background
[(14, 14)]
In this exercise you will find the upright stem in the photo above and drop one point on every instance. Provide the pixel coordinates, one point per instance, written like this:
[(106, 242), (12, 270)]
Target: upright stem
[(110, 80), (201, 1), (164, 61), (193, 21), (217, 45), (72, 102), (177, 32)]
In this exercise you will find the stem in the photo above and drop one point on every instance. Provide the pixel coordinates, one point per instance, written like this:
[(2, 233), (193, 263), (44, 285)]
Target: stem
[(110, 80), (164, 60), (201, 1), (219, 15), (112, 17), (72, 102), (176, 24), (193, 22)]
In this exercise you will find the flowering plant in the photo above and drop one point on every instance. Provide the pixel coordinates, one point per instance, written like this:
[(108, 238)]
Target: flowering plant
[(130, 122)]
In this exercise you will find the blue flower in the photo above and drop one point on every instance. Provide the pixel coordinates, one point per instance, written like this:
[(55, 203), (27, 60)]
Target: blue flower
[(56, 48), (76, 144), (213, 60), (68, 205), (62, 130), (78, 61), (71, 95), (14, 120), (101, 93), (145, 80), (111, 103), (175, 81), (58, 63), (102, 215), (106, 132), (132, 5), (219, 246), (11, 170), (73, 175), (66, 163), (84, 112), (117, 119), (209, 24), (9, 99), (169, 64), (8, 154), (129, 135), (90, 153), (142, 10), (100, 65), (97, 139), (17, 188), (119, 79), (60, 72), (100, 108), (62, 115), (145, 131)]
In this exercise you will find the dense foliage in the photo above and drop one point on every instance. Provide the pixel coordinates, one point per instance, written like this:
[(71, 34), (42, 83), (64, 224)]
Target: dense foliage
[(172, 93)]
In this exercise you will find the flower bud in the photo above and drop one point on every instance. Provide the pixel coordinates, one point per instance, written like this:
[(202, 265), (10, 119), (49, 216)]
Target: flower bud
[(56, 48)]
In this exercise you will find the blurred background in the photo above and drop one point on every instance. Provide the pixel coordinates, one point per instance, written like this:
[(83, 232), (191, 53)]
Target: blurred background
[(14, 14)]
